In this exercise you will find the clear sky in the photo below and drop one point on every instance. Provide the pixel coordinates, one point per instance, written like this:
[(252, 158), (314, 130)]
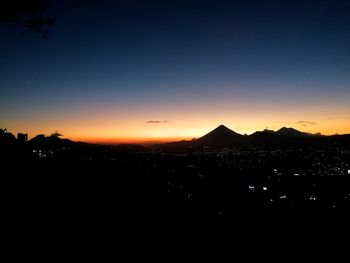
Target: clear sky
[(163, 70)]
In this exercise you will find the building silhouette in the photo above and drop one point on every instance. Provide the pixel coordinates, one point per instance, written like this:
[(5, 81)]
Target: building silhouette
[(22, 137)]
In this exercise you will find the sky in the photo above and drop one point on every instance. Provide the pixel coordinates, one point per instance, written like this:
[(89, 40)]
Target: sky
[(132, 71)]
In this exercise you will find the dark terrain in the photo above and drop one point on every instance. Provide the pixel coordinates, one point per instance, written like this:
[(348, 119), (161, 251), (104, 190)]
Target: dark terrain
[(216, 175)]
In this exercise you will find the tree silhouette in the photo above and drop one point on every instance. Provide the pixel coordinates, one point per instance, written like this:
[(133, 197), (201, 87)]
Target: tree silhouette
[(28, 14), (56, 135)]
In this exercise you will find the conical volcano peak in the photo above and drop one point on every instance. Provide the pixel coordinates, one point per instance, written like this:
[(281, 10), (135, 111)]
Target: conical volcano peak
[(222, 127), (220, 136), (222, 130)]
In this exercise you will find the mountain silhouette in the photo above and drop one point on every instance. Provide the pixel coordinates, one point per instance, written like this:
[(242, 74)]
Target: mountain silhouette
[(269, 131), (292, 132), (220, 136), (42, 141), (225, 137)]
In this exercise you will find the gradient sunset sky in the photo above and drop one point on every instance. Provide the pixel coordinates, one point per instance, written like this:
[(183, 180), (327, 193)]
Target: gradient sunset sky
[(129, 71)]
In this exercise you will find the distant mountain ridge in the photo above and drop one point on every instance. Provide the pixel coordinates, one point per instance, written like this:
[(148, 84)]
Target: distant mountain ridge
[(291, 132), (223, 136), (219, 137)]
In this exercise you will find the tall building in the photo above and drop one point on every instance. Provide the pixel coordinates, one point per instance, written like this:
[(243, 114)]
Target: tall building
[(22, 137)]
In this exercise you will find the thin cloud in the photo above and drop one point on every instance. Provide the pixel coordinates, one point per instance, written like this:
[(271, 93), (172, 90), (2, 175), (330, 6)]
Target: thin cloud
[(156, 122), (303, 123), (306, 122)]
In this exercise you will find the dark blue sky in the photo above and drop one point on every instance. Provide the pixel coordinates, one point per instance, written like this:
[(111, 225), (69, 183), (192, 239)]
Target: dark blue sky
[(148, 57)]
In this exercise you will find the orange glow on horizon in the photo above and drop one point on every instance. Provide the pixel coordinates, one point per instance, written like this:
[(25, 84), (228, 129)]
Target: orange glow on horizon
[(149, 137), (111, 125), (131, 140), (147, 134)]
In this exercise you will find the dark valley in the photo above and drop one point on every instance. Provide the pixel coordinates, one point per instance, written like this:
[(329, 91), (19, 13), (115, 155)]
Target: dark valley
[(216, 175)]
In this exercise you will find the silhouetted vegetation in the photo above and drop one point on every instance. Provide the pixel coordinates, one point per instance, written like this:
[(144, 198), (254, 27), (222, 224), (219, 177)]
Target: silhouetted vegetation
[(28, 14)]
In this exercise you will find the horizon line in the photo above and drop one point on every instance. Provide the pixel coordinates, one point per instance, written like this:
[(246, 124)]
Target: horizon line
[(155, 140)]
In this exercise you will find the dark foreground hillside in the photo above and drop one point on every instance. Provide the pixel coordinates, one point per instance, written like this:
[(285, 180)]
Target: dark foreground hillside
[(97, 181)]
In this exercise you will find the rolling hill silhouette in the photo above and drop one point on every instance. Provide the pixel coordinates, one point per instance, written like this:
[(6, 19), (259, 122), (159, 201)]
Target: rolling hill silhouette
[(42, 141), (291, 132), (55, 142)]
